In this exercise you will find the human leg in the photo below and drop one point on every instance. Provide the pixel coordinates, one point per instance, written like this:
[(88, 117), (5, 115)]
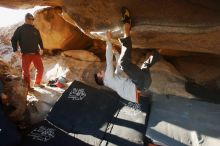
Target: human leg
[(132, 70), (26, 62), (38, 64), (154, 57)]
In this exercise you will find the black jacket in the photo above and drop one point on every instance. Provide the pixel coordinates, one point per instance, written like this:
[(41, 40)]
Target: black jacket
[(29, 39)]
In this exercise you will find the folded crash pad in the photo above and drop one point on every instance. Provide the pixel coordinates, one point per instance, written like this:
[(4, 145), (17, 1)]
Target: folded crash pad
[(9, 135), (46, 134), (129, 124), (84, 111), (176, 121)]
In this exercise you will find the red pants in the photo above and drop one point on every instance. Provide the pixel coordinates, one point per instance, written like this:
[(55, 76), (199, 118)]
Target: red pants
[(27, 59)]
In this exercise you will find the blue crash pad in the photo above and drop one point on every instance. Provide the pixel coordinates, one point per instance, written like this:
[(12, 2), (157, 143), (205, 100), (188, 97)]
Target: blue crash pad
[(177, 121)]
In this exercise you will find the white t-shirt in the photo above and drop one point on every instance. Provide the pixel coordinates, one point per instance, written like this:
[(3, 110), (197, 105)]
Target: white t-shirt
[(121, 84)]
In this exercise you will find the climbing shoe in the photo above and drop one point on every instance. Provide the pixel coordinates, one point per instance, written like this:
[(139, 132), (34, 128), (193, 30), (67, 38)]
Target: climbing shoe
[(30, 89), (39, 85), (154, 57), (125, 14)]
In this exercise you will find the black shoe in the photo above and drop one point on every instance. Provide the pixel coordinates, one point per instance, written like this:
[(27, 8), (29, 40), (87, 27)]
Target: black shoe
[(30, 89), (39, 85), (125, 14), (154, 57)]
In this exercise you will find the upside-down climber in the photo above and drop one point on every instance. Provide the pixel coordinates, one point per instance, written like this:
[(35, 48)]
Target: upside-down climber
[(138, 79)]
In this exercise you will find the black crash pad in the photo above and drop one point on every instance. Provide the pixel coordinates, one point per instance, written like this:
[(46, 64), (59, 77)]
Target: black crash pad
[(129, 124), (100, 117), (9, 136), (46, 134), (84, 110)]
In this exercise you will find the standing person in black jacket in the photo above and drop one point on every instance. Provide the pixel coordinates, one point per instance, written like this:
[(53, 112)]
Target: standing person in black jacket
[(31, 45)]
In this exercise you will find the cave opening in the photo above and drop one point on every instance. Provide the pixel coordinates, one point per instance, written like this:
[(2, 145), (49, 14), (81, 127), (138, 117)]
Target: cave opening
[(13, 16)]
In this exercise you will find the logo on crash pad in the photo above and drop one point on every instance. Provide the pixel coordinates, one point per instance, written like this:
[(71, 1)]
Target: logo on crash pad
[(42, 133), (132, 109), (77, 94)]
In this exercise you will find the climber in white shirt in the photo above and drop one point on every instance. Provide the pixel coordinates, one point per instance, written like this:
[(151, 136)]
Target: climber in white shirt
[(138, 79)]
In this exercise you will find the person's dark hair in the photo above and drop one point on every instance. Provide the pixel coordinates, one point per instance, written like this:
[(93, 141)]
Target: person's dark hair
[(29, 15), (98, 80)]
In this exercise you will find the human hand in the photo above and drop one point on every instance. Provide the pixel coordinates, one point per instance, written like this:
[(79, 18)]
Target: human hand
[(114, 50), (108, 35), (41, 52), (17, 54)]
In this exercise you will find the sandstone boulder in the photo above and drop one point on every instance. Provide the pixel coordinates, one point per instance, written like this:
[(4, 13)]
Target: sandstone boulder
[(200, 69), (15, 89), (57, 33), (167, 80), (175, 24), (81, 55), (70, 68), (7, 55)]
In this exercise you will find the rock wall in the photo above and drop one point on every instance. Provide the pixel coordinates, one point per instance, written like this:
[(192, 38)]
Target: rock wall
[(57, 33), (171, 24), (16, 91), (201, 69), (167, 80)]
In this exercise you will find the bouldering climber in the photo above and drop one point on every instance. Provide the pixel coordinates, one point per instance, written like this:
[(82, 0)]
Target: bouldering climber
[(138, 79)]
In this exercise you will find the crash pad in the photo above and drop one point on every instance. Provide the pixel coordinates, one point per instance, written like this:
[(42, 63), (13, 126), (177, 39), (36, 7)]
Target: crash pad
[(46, 134), (100, 117), (177, 121), (9, 135), (84, 111), (129, 124)]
